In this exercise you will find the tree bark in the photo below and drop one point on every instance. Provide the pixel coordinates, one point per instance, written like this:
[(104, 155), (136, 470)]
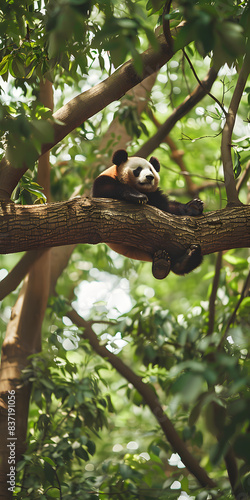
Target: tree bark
[(93, 221)]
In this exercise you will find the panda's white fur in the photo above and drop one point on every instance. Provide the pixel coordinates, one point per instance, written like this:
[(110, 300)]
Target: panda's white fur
[(139, 173)]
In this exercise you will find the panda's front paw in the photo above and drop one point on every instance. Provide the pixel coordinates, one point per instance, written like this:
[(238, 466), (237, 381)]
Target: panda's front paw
[(139, 198), (142, 198), (195, 207)]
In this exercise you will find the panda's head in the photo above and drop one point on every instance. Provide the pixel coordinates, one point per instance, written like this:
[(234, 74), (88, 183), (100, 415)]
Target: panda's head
[(137, 172)]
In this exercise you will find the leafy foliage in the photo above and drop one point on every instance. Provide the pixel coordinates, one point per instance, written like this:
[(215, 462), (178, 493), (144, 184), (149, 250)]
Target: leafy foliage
[(73, 403)]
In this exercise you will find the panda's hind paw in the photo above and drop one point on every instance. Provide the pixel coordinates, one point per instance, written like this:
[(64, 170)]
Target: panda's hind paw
[(193, 249), (195, 207), (161, 264), (191, 259)]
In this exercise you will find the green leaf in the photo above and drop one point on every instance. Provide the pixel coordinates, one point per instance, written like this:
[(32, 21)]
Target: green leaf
[(49, 461), (188, 386), (237, 164), (185, 484), (47, 383), (4, 64), (81, 453), (125, 471), (17, 68), (49, 472), (53, 493), (91, 447), (238, 262)]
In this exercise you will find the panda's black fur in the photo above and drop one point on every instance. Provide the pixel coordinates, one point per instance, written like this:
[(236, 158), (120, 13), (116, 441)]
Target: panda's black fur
[(136, 180)]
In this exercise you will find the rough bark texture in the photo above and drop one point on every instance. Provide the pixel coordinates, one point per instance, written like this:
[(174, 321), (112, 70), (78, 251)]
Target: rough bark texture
[(82, 220)]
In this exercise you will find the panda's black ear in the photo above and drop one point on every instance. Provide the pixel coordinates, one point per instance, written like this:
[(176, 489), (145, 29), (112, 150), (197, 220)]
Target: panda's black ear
[(155, 163), (119, 157)]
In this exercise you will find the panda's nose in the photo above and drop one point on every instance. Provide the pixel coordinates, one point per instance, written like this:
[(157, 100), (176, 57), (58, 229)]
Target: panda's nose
[(150, 178)]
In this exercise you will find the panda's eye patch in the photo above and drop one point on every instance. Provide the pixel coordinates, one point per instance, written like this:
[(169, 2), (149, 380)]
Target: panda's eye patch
[(137, 171)]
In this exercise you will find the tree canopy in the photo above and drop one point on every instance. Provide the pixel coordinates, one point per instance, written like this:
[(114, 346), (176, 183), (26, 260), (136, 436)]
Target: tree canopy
[(114, 384)]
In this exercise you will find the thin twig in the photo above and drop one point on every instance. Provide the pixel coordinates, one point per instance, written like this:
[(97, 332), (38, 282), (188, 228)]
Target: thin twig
[(199, 92), (201, 83), (233, 315), (244, 176), (213, 295), (177, 156)]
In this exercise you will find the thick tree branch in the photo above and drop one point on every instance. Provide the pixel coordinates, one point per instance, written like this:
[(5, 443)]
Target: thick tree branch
[(150, 398), (230, 185), (113, 88), (94, 221)]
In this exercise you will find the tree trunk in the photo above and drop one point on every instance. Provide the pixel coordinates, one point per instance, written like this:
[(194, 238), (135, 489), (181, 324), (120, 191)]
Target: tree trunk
[(23, 338)]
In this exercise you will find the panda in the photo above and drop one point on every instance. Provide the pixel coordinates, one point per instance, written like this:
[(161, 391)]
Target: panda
[(135, 180)]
